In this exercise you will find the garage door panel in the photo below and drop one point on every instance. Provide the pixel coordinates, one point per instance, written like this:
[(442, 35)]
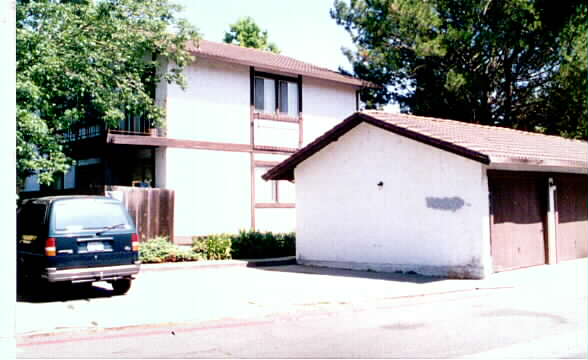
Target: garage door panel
[(572, 217), (517, 221)]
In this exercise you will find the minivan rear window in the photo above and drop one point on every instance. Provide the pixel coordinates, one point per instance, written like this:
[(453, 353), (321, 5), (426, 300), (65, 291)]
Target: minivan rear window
[(88, 214)]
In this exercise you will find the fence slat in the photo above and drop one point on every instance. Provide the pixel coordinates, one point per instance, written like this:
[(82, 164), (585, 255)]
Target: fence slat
[(155, 213), (163, 210)]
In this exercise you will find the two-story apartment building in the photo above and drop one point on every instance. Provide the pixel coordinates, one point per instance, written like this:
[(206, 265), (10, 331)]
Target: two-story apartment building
[(243, 111)]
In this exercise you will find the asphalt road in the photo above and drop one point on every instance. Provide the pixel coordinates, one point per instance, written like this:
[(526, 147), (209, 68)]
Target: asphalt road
[(492, 322)]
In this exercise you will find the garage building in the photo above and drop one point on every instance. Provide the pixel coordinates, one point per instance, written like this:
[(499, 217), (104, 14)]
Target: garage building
[(392, 192)]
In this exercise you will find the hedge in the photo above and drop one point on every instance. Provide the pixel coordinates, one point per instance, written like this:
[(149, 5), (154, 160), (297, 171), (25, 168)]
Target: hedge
[(247, 244)]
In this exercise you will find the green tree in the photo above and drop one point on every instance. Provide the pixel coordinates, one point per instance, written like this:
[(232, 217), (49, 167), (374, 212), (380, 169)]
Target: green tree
[(565, 108), (245, 32), (89, 62), (483, 61)]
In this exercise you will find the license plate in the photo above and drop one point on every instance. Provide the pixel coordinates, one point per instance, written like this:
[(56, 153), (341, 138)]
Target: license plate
[(95, 246)]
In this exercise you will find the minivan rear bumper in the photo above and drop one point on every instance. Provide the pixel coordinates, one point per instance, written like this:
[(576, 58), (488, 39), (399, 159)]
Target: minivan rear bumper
[(91, 274)]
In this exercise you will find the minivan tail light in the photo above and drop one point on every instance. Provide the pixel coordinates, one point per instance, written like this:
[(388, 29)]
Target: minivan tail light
[(50, 247), (135, 241)]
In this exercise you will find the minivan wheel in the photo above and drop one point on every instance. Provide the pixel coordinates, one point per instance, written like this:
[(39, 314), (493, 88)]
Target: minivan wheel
[(121, 287)]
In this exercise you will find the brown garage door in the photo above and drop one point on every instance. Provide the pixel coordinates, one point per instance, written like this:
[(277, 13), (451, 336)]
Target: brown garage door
[(572, 217), (517, 221)]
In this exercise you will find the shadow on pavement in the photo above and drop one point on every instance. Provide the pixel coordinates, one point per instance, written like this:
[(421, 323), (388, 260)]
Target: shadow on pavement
[(409, 277), (47, 293)]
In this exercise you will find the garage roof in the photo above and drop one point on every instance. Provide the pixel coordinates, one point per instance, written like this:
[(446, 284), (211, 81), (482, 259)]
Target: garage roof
[(495, 146), (268, 60)]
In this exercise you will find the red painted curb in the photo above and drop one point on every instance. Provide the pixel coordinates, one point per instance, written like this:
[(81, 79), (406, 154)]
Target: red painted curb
[(140, 334)]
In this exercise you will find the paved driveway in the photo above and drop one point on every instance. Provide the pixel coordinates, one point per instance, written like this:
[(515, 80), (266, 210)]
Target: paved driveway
[(164, 294)]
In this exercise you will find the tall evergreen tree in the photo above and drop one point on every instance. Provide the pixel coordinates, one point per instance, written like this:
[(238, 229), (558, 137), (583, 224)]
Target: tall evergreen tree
[(509, 63)]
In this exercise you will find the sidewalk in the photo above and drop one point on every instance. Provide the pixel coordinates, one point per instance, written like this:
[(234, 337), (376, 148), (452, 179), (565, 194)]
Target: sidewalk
[(202, 264), (572, 275), (211, 291)]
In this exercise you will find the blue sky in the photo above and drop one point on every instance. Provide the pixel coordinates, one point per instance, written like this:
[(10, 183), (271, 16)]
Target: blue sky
[(302, 29)]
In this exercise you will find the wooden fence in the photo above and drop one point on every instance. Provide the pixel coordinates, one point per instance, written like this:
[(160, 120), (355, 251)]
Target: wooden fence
[(152, 209)]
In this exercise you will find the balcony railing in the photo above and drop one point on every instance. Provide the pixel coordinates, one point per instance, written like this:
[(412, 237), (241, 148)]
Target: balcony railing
[(83, 132), (133, 125), (129, 126)]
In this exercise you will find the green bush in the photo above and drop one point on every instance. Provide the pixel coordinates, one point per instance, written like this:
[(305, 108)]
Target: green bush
[(213, 247), (248, 244), (159, 249), (251, 244)]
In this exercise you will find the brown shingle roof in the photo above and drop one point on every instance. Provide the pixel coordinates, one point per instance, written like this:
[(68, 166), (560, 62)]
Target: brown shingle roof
[(268, 60), (491, 145)]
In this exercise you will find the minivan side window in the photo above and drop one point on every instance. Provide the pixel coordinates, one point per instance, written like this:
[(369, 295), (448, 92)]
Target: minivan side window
[(30, 224)]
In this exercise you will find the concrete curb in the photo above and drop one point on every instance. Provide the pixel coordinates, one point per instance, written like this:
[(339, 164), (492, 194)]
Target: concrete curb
[(204, 264)]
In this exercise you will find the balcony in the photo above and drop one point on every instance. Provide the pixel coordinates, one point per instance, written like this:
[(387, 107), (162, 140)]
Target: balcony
[(130, 126), (135, 125), (81, 133)]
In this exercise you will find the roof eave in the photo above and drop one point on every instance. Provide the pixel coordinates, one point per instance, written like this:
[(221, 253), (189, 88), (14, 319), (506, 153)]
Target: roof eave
[(538, 165), (285, 169), (351, 81)]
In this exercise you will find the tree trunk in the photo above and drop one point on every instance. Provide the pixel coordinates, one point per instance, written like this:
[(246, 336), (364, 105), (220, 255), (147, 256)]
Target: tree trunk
[(508, 84)]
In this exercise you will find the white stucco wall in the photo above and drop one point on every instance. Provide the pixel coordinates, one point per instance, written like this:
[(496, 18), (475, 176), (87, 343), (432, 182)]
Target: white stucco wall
[(212, 191), (272, 219), (270, 157), (325, 104), (276, 133), (214, 106), (275, 220), (430, 216), (161, 167)]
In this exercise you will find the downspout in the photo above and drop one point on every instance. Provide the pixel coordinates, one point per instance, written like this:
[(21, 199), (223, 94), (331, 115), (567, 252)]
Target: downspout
[(252, 144), (551, 224)]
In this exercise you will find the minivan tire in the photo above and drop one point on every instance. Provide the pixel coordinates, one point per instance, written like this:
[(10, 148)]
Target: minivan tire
[(120, 287)]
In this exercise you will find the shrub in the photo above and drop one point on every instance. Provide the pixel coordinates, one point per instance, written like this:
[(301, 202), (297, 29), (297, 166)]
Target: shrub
[(213, 247), (248, 244), (159, 249), (252, 244)]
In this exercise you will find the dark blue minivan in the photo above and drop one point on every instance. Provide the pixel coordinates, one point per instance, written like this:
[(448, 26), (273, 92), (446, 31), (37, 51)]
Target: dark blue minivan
[(77, 239)]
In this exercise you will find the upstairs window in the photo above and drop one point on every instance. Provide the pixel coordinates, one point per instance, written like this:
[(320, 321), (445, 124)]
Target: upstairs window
[(276, 96), (265, 95)]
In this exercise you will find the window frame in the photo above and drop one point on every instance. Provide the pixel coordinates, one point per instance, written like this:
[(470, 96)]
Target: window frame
[(278, 81), (272, 183), (275, 185)]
